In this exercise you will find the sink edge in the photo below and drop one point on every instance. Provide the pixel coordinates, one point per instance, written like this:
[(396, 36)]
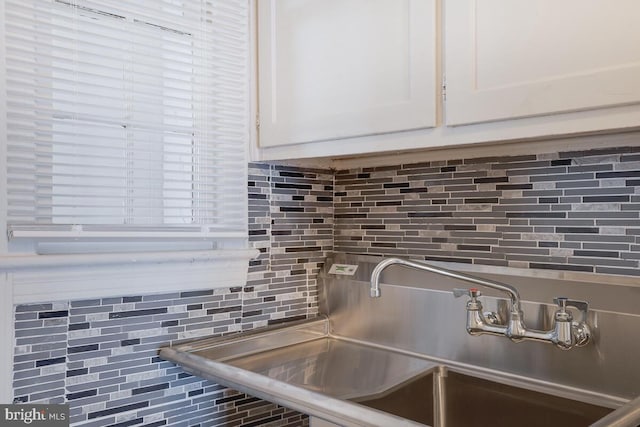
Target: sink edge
[(294, 397)]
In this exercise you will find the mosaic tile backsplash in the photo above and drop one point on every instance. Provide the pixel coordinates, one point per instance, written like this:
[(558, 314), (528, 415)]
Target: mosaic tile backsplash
[(575, 211), (100, 356), (566, 211)]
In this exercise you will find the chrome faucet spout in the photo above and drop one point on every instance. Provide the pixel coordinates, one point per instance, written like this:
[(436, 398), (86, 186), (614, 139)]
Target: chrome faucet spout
[(514, 296)]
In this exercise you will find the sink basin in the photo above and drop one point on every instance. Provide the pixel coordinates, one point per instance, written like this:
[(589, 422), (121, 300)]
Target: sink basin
[(414, 400), (462, 400)]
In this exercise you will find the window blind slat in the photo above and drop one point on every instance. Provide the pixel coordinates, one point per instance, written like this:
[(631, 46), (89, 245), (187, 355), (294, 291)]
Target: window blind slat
[(151, 12), (26, 20), (126, 114), (226, 56)]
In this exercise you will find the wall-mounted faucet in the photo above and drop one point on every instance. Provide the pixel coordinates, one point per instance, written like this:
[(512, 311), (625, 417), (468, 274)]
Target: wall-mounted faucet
[(565, 334)]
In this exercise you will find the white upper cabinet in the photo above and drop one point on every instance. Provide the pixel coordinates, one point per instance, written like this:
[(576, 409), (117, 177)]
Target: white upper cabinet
[(333, 69), (509, 59)]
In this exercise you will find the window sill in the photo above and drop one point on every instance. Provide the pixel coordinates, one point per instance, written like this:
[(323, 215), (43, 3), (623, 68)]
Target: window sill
[(40, 278)]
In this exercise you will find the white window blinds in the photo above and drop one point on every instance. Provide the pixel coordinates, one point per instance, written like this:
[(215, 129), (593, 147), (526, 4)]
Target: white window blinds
[(127, 117)]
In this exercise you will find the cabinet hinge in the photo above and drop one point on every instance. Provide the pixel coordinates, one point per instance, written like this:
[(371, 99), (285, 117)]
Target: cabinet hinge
[(258, 122), (444, 88)]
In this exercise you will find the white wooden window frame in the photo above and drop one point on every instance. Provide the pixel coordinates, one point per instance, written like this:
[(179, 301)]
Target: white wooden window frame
[(51, 237)]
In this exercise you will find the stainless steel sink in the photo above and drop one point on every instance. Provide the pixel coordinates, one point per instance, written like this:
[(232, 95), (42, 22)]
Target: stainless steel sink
[(448, 398), (352, 383)]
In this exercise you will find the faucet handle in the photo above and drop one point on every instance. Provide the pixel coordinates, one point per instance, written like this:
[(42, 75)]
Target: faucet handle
[(473, 292), (564, 302), (579, 331)]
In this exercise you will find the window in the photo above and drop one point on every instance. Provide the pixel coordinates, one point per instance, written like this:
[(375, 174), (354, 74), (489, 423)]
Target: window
[(127, 120)]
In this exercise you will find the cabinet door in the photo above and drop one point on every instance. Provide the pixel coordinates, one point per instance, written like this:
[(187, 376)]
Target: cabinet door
[(520, 58), (331, 69)]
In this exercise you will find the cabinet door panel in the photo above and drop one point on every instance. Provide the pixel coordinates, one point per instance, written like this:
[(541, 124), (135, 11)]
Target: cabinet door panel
[(341, 68), (519, 58)]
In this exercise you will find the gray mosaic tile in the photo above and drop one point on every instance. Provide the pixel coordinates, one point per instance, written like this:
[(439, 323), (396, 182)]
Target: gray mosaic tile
[(582, 205), (577, 198)]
